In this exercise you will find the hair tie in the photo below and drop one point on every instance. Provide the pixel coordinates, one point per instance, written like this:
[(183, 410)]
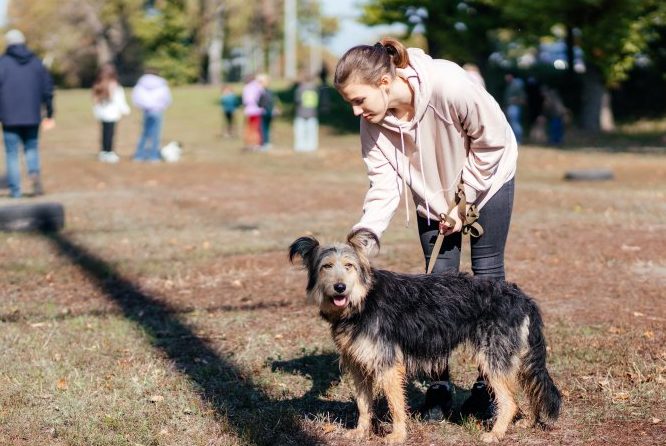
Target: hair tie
[(378, 45)]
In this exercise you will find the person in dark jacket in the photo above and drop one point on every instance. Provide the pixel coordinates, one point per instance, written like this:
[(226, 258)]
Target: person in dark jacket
[(25, 86)]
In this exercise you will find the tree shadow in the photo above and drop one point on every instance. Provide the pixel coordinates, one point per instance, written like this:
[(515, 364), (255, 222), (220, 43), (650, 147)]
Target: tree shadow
[(249, 410)]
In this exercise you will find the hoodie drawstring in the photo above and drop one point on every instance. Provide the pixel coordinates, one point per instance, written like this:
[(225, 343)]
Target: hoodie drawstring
[(403, 174), (404, 171), (425, 190)]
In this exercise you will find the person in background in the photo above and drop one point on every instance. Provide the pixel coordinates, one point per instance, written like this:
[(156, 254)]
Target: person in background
[(25, 86), (152, 95), (555, 113), (229, 102), (268, 104), (514, 101), (109, 105), (306, 124), (252, 132), (427, 130), (474, 73)]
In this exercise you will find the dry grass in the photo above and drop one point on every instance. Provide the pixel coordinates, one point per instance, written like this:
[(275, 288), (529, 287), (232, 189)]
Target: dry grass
[(166, 313)]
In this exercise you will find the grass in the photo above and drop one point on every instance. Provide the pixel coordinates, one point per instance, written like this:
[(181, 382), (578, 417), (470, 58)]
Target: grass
[(166, 312)]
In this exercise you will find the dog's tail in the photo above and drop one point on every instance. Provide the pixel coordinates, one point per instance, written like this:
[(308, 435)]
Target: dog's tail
[(545, 399)]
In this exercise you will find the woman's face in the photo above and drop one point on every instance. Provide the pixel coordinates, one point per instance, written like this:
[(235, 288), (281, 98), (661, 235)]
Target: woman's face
[(369, 101)]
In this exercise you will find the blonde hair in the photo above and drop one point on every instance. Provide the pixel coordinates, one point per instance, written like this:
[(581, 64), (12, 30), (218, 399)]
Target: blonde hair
[(368, 63)]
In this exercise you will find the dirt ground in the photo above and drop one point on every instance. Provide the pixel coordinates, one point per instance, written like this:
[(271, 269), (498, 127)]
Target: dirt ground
[(184, 267)]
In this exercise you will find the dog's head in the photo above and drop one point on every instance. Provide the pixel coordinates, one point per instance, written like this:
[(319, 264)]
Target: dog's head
[(339, 275)]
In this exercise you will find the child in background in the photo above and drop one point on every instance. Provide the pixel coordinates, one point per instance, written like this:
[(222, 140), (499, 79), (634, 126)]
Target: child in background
[(229, 102), (109, 107)]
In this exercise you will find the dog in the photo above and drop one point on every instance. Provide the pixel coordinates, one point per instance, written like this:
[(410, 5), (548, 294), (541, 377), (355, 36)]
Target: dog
[(387, 326), (172, 152)]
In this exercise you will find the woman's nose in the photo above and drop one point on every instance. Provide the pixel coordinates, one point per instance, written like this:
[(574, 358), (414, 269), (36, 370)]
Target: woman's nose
[(357, 110)]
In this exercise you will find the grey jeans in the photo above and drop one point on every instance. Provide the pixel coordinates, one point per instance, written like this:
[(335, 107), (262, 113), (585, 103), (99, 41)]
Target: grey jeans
[(487, 251)]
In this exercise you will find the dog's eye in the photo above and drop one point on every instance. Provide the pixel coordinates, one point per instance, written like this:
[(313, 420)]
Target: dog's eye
[(327, 266), (349, 266)]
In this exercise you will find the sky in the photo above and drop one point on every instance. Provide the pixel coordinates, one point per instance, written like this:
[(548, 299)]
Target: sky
[(350, 33), (3, 11)]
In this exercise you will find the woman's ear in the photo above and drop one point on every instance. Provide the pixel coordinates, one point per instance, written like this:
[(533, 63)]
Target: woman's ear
[(385, 80)]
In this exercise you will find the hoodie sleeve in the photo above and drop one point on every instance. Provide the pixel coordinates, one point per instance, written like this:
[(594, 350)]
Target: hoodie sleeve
[(383, 196), (47, 92), (485, 124)]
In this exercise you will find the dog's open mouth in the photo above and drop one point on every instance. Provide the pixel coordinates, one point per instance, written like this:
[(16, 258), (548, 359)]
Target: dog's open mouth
[(340, 300)]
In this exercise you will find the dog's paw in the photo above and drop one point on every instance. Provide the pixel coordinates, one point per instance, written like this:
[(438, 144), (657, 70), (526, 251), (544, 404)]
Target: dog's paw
[(524, 423), (398, 437), (490, 437), (357, 434)]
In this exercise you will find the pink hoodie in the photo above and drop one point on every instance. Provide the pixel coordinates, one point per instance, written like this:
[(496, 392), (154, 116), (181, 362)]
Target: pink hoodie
[(458, 130)]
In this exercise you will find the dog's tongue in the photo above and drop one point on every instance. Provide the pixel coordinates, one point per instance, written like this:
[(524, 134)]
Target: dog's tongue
[(340, 301)]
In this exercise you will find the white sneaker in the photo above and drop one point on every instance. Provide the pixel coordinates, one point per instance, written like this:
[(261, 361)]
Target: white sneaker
[(108, 157)]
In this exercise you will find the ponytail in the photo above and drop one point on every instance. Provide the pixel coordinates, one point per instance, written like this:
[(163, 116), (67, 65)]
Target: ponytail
[(396, 50), (368, 63)]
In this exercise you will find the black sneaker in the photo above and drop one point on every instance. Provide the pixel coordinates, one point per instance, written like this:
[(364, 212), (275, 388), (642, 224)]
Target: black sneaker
[(480, 403), (438, 401)]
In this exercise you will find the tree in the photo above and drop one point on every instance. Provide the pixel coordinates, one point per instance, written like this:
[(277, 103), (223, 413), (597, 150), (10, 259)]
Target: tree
[(612, 34), (454, 29)]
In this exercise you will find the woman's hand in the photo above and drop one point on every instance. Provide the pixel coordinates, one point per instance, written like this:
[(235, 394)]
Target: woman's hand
[(457, 221)]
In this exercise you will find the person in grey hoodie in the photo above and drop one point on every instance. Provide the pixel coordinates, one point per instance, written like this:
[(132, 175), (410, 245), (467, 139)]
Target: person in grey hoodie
[(25, 87), (428, 128), (152, 95)]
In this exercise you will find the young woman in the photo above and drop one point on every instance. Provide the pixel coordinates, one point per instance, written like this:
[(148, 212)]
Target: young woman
[(429, 128), (109, 106)]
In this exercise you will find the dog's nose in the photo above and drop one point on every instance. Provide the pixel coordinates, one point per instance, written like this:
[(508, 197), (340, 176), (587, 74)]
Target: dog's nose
[(339, 287)]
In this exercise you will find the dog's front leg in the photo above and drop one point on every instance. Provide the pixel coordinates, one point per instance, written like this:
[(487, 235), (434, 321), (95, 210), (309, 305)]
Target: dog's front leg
[(363, 389), (393, 384)]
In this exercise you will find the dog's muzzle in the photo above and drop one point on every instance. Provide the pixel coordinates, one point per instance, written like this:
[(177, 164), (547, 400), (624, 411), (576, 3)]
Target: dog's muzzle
[(340, 299)]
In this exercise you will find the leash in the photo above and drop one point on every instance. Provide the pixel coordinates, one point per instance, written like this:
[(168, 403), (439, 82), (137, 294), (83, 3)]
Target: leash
[(470, 227)]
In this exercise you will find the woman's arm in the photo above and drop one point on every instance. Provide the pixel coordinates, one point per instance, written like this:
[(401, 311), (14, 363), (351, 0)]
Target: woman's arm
[(486, 126), (383, 196)]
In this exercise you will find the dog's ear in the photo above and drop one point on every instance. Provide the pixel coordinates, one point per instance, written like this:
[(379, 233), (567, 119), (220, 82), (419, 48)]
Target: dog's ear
[(304, 247), (365, 241)]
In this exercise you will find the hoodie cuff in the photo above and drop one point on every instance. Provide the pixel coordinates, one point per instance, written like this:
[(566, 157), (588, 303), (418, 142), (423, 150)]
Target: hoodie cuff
[(470, 195)]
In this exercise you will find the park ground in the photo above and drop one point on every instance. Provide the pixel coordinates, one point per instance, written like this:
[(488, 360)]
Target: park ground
[(167, 313)]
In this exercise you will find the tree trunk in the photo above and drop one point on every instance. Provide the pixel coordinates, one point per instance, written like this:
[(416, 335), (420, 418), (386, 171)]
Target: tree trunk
[(216, 47), (592, 94), (596, 111), (607, 121)]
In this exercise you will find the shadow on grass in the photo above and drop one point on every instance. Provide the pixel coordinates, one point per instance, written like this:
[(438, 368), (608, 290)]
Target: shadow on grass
[(248, 409), (324, 372), (614, 142), (17, 316)]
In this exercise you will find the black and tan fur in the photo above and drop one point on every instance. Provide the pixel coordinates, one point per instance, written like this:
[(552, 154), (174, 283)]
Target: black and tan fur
[(387, 326)]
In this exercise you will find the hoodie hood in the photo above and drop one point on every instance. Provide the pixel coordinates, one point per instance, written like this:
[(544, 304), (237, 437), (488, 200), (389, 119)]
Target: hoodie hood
[(21, 53), (416, 75)]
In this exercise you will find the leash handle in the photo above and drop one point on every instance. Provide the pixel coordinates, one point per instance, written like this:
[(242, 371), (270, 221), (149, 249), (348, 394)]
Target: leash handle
[(470, 224)]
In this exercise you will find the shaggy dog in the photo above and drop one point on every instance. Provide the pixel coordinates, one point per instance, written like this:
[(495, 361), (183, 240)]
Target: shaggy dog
[(388, 325)]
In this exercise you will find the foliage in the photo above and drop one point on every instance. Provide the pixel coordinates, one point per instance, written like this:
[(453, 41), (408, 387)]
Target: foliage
[(456, 30), (167, 38), (173, 36), (612, 32)]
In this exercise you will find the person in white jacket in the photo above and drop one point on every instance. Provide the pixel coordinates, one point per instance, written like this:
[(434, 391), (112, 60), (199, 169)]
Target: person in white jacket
[(427, 127), (109, 107)]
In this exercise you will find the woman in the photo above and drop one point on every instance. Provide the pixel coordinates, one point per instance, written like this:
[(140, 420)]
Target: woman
[(429, 128), (109, 106), (152, 95)]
